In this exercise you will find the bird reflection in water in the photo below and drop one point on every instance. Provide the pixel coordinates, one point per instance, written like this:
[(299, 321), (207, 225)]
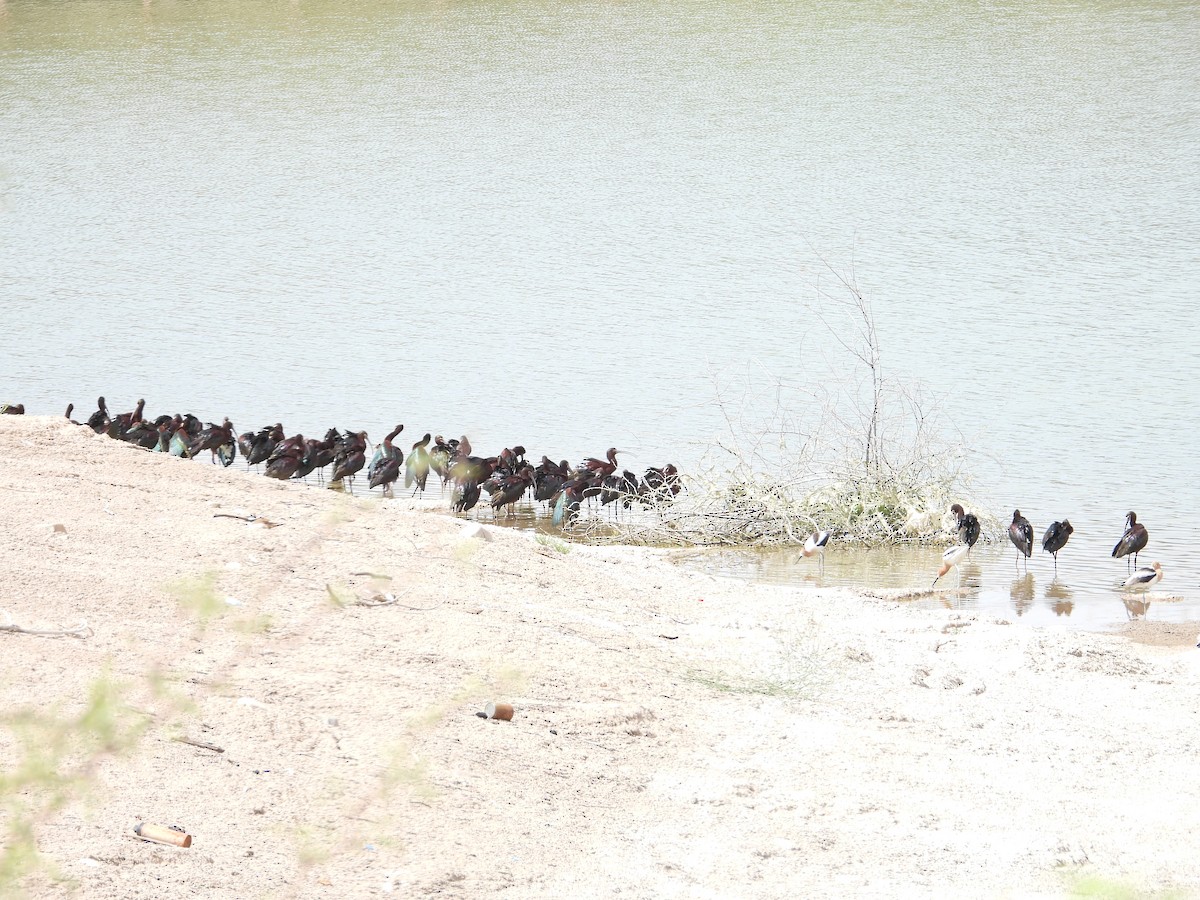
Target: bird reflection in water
[(970, 581), (1021, 593), (1136, 606), (1060, 596)]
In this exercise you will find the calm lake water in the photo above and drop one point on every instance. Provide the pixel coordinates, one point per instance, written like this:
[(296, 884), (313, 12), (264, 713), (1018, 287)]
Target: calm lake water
[(564, 224)]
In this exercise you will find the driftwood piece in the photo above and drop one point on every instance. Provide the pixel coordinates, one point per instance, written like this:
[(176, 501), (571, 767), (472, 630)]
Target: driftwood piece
[(81, 631), (203, 745)]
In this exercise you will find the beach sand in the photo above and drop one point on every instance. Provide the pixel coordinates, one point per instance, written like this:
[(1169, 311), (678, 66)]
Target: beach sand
[(674, 735)]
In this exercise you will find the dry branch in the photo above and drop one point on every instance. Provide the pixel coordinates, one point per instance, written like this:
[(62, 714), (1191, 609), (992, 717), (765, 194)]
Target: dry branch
[(81, 631)]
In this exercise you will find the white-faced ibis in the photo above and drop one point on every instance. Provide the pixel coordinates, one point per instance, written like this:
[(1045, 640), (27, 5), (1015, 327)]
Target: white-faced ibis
[(13, 409), (1134, 539), (351, 456), (511, 489), (416, 469), (143, 434), (568, 499), (662, 485), (439, 458), (317, 455), (180, 440), (385, 464), (602, 467), (814, 545), (465, 496), (548, 479), (285, 459), (213, 438), (968, 526), (951, 558), (263, 444), (631, 489), (1020, 532), (1056, 538), (98, 421), (118, 427), (1145, 576)]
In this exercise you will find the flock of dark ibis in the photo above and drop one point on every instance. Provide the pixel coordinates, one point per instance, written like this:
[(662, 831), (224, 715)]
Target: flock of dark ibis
[(505, 477), (1020, 532), (508, 476)]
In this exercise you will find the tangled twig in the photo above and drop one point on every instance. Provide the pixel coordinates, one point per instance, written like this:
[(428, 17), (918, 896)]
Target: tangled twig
[(81, 631)]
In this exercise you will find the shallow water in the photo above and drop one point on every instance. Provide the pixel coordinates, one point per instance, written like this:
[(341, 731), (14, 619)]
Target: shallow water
[(558, 225)]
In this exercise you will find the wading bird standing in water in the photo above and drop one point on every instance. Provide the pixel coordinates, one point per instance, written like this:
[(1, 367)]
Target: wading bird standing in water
[(1134, 539), (1020, 532), (1145, 576), (815, 545), (950, 559), (968, 526), (1055, 539)]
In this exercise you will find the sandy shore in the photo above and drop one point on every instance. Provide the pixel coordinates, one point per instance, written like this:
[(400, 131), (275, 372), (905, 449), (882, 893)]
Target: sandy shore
[(674, 736)]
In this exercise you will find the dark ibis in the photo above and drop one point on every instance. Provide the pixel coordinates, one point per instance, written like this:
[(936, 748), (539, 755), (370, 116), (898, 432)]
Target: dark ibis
[(439, 457), (1134, 539), (351, 456), (385, 464), (143, 434), (548, 479), (213, 439), (511, 489), (1056, 538), (1020, 532), (285, 458), (662, 485), (263, 444), (98, 421), (416, 469), (317, 455), (465, 496), (968, 525)]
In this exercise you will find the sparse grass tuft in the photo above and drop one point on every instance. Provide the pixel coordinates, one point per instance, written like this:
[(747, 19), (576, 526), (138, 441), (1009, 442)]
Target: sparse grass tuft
[(554, 543), (56, 758), (803, 669), (197, 596)]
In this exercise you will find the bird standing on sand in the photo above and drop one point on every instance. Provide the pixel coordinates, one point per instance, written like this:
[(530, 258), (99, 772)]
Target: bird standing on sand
[(351, 456), (98, 421), (815, 545), (1020, 532), (385, 464), (1145, 576), (950, 559), (1134, 539), (968, 526), (1056, 538), (416, 470)]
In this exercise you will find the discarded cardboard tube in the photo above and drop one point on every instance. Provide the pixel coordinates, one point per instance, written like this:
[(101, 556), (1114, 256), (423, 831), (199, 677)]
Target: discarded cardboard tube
[(162, 834), (502, 711)]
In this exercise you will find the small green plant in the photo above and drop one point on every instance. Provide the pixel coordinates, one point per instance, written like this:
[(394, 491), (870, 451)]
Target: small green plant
[(801, 669), (553, 543), (56, 756), (1096, 887), (197, 596)]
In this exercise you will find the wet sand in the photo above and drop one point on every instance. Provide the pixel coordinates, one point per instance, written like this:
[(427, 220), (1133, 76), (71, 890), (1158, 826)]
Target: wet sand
[(674, 734)]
